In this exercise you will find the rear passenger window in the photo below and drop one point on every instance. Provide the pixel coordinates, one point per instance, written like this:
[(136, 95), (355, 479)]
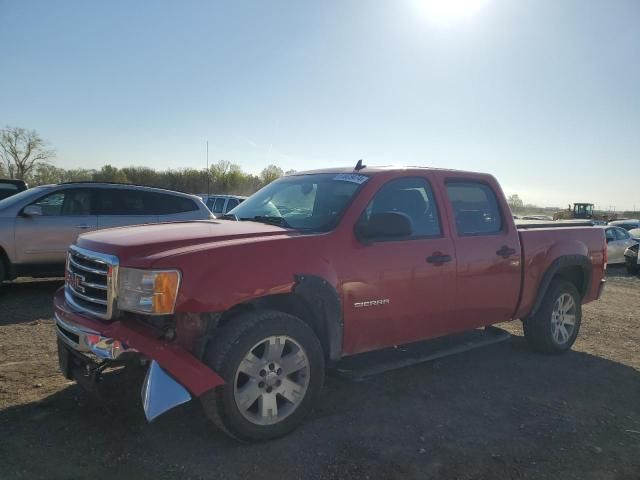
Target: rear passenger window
[(171, 204), (411, 196), (218, 205), (122, 201), (475, 208)]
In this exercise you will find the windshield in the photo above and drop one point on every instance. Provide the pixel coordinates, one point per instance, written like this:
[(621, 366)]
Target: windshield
[(20, 197), (303, 202)]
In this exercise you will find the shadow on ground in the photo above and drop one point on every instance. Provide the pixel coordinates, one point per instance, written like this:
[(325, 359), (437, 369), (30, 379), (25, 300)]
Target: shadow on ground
[(498, 412), (37, 295)]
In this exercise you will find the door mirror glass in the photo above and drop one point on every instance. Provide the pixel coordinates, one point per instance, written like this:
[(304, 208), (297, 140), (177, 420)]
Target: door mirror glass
[(32, 211), (385, 226)]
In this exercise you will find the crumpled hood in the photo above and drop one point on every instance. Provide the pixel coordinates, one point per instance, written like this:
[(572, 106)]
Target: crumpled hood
[(142, 245)]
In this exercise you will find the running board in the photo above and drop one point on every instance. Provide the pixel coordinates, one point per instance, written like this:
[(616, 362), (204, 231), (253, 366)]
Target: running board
[(358, 367)]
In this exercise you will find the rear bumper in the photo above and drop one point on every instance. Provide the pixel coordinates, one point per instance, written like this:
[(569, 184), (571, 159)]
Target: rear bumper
[(108, 341)]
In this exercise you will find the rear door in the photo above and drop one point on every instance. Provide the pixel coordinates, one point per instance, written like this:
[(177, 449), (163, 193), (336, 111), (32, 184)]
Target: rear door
[(397, 293), (119, 207), (231, 204), (488, 252), (44, 239), (216, 205)]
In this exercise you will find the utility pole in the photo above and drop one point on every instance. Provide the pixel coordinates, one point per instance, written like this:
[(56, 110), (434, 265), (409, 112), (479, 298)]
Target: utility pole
[(208, 167)]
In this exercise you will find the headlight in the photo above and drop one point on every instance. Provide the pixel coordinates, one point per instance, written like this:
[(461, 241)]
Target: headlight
[(148, 291)]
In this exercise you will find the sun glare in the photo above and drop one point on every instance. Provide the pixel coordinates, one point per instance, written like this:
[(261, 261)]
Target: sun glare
[(447, 12)]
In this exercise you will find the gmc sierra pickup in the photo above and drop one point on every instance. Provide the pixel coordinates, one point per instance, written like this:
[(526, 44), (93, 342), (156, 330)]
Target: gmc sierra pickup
[(244, 312)]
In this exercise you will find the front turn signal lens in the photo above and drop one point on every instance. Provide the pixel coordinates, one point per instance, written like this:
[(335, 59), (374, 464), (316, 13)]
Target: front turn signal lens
[(148, 291)]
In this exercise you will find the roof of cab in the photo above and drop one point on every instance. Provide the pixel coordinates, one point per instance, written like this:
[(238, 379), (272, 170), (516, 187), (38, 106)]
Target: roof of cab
[(373, 170)]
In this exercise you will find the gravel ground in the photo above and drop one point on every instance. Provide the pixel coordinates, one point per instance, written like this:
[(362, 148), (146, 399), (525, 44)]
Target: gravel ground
[(496, 412)]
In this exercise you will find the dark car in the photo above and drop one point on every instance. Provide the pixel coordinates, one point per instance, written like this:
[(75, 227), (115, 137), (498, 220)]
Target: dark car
[(9, 187)]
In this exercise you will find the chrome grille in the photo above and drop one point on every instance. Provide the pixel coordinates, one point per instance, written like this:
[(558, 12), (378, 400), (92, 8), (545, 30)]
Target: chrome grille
[(90, 282)]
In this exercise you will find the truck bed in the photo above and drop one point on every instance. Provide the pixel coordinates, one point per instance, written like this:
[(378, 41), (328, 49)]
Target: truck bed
[(528, 224), (547, 242)]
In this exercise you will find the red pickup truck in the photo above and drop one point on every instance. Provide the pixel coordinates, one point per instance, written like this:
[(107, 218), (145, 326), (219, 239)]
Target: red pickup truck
[(246, 311)]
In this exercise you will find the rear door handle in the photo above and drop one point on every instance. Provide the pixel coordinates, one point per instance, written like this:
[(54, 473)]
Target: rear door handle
[(438, 258), (84, 227), (505, 251)]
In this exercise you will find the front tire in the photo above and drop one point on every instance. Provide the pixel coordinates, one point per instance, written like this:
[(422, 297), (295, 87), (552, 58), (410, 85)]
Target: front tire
[(274, 368), (554, 327)]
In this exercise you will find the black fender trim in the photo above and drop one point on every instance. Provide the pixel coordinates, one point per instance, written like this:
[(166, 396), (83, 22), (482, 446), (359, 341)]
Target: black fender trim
[(558, 264), (327, 308)]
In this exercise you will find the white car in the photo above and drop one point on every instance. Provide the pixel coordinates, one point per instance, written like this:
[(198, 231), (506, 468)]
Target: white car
[(618, 240), (38, 225), (627, 224), (221, 204)]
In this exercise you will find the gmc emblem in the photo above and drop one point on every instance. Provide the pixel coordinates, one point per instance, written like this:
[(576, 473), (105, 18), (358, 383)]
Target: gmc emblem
[(75, 281)]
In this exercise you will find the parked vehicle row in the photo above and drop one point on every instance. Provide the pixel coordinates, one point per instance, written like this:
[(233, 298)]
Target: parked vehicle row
[(222, 204), (627, 223), (245, 314), (38, 225)]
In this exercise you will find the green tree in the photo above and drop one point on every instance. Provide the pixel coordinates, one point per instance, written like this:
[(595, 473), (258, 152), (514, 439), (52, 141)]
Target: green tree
[(109, 173), (45, 173), (270, 173), (515, 203), (21, 150)]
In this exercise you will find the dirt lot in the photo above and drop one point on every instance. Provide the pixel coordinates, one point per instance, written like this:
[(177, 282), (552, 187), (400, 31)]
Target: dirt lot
[(498, 412)]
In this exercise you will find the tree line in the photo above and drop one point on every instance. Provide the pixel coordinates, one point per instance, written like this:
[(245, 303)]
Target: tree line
[(25, 155)]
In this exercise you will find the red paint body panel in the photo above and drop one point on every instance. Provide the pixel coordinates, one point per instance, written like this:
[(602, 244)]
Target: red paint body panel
[(193, 374), (225, 263), (541, 247)]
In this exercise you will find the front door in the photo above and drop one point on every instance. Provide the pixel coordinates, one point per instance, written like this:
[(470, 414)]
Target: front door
[(403, 290), (488, 254), (44, 239)]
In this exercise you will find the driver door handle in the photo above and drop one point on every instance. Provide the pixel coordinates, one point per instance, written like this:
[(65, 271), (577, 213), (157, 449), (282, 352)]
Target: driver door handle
[(84, 227), (505, 251), (438, 258)]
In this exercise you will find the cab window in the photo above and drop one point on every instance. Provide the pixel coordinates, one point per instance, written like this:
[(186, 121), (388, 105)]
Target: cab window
[(411, 196), (475, 208)]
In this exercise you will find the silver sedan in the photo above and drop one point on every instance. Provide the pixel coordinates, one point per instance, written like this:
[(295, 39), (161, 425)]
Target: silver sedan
[(618, 240)]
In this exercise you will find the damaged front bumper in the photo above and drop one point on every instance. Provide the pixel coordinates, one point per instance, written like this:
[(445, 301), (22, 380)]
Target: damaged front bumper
[(174, 375)]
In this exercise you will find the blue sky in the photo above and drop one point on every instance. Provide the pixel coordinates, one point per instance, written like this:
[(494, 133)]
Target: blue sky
[(543, 94)]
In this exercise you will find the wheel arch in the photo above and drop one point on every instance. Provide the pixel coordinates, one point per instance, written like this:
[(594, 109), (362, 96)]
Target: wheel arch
[(576, 269), (312, 299)]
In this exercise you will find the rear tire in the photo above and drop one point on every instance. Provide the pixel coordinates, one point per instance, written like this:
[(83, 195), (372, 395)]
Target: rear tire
[(631, 268), (555, 326), (273, 366)]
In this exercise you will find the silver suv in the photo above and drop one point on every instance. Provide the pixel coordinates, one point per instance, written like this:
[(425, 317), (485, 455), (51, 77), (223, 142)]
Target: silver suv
[(37, 225), (221, 204)]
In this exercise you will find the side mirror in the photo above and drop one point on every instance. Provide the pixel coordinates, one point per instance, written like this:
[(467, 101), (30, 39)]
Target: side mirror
[(384, 226), (32, 211)]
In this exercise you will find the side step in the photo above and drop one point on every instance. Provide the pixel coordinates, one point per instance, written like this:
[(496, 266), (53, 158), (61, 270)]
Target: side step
[(358, 367)]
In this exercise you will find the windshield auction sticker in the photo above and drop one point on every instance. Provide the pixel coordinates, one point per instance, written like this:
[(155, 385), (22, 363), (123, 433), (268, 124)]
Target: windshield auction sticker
[(351, 177)]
